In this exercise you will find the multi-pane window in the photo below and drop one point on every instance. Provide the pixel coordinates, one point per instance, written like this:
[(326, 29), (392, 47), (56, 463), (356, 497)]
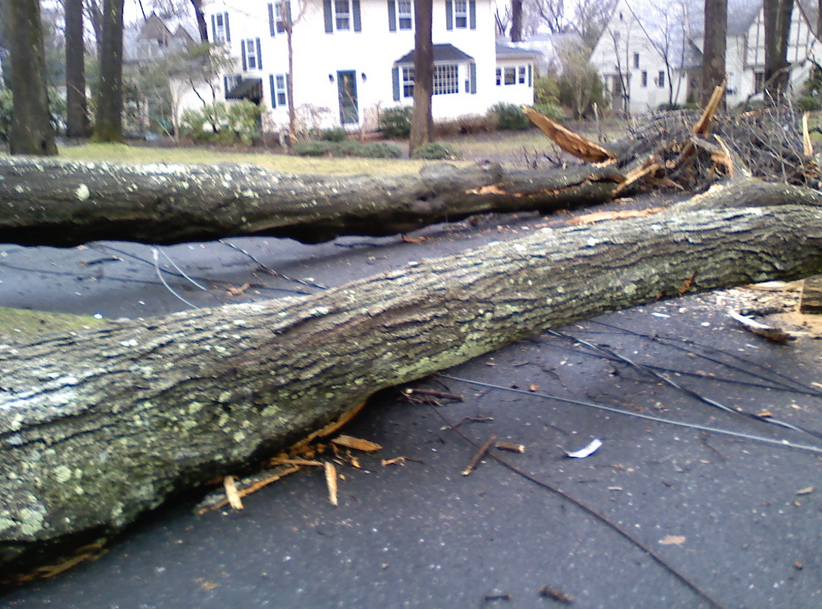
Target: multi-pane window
[(461, 14), (499, 76), (661, 79), (252, 61), (510, 76), (644, 78), (408, 82), (404, 14), (230, 82), (282, 97), (278, 16), (446, 79), (521, 72), (636, 60), (219, 23), (342, 14)]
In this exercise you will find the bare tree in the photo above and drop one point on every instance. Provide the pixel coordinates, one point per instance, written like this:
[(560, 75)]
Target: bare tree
[(109, 124), (551, 13), (591, 17), (31, 128), (713, 51), (77, 121), (777, 15), (422, 121), (670, 42)]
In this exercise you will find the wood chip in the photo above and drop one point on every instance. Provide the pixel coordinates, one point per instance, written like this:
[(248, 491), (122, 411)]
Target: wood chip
[(232, 291), (511, 447), (356, 443), (556, 595), (231, 493), (331, 482), (806, 491), (771, 333), (394, 461), (673, 540), (601, 216)]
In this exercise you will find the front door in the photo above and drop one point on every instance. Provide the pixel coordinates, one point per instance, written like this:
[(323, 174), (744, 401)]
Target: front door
[(347, 93)]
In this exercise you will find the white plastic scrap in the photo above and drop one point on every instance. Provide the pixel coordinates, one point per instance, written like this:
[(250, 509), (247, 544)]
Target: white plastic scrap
[(586, 451)]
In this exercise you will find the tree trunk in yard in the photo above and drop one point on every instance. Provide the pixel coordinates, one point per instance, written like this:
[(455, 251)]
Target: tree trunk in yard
[(77, 120), (777, 22), (52, 202), (100, 425), (713, 58), (422, 121), (31, 130), (108, 126)]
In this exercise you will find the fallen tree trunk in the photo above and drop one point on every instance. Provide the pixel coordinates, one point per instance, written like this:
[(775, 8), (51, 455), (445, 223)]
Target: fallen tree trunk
[(98, 426), (59, 203)]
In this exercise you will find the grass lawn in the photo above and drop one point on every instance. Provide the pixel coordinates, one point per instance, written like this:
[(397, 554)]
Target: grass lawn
[(123, 153)]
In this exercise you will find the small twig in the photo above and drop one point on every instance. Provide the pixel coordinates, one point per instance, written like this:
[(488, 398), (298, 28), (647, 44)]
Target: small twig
[(480, 454), (433, 392)]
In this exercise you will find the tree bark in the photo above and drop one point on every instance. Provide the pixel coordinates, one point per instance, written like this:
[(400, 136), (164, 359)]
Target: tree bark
[(100, 425), (109, 121), (60, 203), (5, 63), (422, 121), (77, 121), (516, 20), (777, 22), (31, 129), (199, 15), (713, 52)]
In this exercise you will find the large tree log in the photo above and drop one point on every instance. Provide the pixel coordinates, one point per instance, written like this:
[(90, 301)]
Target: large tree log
[(98, 426), (53, 202)]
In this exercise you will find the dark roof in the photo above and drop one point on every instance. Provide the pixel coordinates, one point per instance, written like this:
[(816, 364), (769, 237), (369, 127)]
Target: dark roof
[(251, 88), (442, 52), (154, 29), (511, 52)]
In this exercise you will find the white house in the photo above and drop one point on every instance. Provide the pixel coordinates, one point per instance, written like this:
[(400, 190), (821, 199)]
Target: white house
[(651, 54), (354, 58)]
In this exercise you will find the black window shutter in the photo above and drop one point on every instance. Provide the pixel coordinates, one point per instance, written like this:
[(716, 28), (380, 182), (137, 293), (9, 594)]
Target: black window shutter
[(395, 81), (259, 55), (214, 28), (242, 51), (288, 12), (227, 31), (472, 69), (225, 81), (449, 15), (472, 14), (392, 15), (272, 23), (355, 8), (273, 89), (529, 74), (329, 17), (287, 87)]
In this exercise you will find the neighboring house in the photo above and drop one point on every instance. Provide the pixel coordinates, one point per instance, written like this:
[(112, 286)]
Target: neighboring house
[(353, 59), (650, 55), (155, 39)]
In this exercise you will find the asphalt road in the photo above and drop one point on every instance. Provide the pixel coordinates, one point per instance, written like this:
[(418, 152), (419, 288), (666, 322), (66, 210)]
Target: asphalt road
[(738, 518)]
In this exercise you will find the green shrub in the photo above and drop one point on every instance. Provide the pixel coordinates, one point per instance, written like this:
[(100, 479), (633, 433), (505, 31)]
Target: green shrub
[(312, 148), (223, 124), (396, 122), (552, 111), (382, 150), (666, 107), (334, 135), (546, 90), (435, 151), (375, 150), (509, 117)]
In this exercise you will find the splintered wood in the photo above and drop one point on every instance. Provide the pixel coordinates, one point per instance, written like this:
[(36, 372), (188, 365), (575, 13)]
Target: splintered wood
[(356, 443), (331, 482), (569, 141), (231, 493)]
